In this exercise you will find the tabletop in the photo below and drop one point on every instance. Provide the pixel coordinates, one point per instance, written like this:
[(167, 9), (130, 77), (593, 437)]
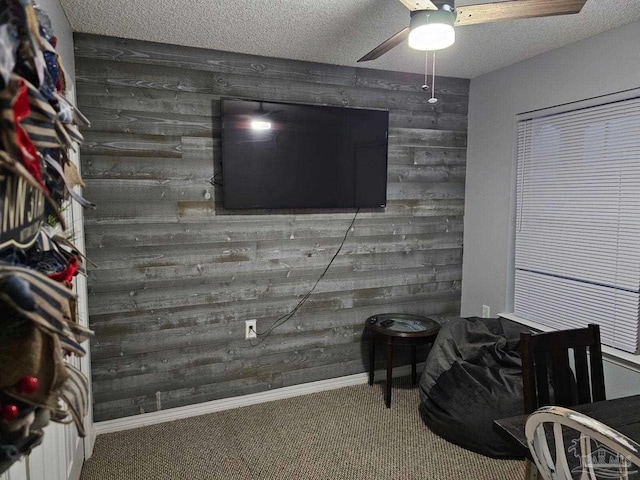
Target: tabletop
[(402, 325), (621, 414)]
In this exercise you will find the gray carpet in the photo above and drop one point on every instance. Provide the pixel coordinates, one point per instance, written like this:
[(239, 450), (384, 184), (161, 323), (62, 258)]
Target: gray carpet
[(343, 434)]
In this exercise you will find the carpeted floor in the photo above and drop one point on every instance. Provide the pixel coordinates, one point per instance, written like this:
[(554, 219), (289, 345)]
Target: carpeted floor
[(344, 434)]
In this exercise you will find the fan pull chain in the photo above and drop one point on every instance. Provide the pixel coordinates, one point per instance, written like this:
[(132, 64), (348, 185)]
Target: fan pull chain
[(425, 85), (433, 98)]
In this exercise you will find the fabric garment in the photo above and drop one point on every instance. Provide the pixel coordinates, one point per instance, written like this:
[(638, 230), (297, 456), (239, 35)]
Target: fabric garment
[(37, 264)]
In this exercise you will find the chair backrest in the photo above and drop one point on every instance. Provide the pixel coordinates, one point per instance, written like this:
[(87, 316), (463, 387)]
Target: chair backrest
[(546, 362), (614, 456)]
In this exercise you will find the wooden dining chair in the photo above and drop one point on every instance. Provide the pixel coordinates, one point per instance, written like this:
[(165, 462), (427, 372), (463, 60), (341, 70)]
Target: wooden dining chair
[(582, 447), (547, 374)]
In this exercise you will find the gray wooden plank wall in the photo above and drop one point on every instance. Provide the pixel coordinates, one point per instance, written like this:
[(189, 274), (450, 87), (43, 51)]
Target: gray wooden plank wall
[(177, 276)]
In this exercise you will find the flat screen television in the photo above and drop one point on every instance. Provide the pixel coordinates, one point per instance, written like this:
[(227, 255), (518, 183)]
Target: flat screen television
[(283, 155)]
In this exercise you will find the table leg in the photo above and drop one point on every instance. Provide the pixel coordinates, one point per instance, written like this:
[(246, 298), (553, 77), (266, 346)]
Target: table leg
[(372, 344), (413, 365), (387, 397)]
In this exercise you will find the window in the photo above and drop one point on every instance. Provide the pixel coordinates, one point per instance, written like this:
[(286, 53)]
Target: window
[(577, 253)]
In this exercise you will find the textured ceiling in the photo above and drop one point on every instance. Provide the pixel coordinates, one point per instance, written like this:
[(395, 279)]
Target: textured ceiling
[(339, 31)]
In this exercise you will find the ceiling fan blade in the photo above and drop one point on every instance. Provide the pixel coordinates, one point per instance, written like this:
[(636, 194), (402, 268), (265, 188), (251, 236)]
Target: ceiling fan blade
[(515, 9), (414, 5), (387, 45)]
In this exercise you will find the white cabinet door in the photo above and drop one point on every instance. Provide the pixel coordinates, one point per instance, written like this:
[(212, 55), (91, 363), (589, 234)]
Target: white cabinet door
[(59, 457), (17, 472)]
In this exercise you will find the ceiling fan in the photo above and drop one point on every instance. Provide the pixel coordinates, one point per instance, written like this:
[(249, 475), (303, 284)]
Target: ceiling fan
[(432, 21)]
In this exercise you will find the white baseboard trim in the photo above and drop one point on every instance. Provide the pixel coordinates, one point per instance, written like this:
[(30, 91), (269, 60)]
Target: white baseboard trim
[(152, 418)]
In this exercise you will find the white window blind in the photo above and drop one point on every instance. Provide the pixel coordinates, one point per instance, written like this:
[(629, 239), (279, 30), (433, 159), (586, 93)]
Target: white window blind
[(577, 254)]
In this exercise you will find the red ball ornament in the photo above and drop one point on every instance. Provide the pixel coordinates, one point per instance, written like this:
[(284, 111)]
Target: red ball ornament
[(9, 412), (28, 384)]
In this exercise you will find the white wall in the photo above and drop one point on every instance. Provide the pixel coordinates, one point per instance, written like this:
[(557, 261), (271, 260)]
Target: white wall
[(606, 63)]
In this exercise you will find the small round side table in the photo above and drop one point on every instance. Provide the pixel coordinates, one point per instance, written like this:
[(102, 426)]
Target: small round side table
[(398, 329)]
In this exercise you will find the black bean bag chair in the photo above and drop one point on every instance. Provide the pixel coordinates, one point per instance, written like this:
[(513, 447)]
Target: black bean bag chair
[(473, 375)]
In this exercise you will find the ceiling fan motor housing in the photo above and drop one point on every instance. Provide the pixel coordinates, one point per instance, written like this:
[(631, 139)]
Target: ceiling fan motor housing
[(449, 5), (432, 29), (445, 14)]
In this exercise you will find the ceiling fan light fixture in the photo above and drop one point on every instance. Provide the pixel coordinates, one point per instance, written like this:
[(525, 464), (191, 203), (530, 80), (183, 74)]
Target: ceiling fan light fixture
[(432, 29)]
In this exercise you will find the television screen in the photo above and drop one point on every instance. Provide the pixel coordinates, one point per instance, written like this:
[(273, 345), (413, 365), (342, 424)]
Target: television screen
[(282, 155)]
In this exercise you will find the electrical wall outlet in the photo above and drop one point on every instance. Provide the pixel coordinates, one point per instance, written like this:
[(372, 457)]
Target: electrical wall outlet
[(486, 311), (250, 329)]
